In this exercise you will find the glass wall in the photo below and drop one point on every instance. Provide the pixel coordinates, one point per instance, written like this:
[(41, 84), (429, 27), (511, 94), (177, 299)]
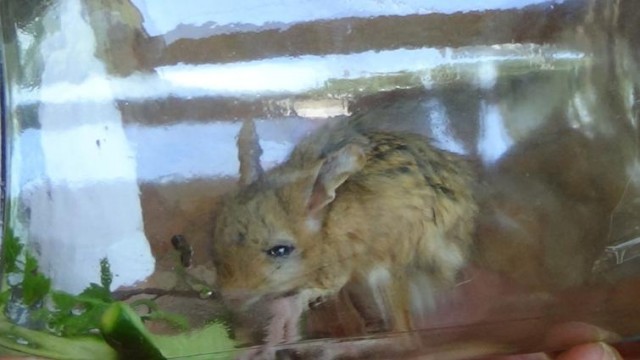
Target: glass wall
[(131, 129)]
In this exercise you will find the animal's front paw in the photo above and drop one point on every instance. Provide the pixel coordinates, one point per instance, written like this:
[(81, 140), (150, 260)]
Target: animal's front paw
[(283, 327)]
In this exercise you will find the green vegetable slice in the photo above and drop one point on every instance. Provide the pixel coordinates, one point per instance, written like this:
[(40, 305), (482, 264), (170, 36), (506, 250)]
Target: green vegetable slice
[(124, 331), (122, 328)]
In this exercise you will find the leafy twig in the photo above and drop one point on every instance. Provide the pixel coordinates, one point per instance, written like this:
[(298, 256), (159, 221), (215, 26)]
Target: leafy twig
[(128, 294)]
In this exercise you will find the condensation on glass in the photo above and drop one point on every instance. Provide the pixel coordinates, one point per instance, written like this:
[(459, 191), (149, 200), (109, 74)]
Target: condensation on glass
[(120, 136)]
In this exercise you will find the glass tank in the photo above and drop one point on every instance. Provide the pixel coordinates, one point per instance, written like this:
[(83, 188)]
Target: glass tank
[(318, 180)]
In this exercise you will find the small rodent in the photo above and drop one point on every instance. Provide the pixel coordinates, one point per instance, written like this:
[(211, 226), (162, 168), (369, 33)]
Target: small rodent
[(350, 203)]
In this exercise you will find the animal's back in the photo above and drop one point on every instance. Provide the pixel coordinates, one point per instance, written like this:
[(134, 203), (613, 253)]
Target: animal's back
[(410, 205)]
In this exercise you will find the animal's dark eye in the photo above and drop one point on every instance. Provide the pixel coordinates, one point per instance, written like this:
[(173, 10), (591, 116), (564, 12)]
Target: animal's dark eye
[(280, 250)]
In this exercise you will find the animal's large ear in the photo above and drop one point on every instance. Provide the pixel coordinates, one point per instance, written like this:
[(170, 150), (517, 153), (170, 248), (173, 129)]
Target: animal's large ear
[(333, 171), (249, 152)]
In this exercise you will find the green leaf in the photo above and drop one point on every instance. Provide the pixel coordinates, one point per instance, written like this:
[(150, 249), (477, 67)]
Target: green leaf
[(78, 315), (83, 324), (63, 302), (31, 264), (35, 286), (5, 296), (96, 292), (74, 315), (11, 248), (106, 277)]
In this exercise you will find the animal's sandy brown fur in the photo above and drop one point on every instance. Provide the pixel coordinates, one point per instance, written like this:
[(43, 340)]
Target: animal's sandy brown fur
[(405, 206)]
